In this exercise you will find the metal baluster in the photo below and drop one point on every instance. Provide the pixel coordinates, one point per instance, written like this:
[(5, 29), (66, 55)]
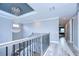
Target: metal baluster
[(6, 51), (49, 39), (30, 47), (27, 48), (40, 45), (19, 48), (13, 50), (37, 44), (34, 46), (23, 48)]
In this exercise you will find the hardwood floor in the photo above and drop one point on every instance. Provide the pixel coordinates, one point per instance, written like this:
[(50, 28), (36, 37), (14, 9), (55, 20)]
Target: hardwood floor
[(75, 51), (55, 50), (61, 49)]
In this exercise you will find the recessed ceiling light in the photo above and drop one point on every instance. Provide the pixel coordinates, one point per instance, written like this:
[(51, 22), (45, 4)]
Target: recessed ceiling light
[(52, 8)]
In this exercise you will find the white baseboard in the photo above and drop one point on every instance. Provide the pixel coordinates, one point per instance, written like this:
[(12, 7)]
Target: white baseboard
[(46, 51), (56, 42), (76, 48)]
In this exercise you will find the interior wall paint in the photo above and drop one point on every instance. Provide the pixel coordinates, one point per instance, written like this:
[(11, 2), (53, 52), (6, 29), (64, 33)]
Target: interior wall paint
[(5, 33), (67, 31), (70, 33), (78, 30), (75, 30), (18, 35), (48, 26)]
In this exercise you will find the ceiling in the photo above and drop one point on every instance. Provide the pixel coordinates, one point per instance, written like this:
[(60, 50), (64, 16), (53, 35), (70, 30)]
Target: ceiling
[(63, 21), (44, 11)]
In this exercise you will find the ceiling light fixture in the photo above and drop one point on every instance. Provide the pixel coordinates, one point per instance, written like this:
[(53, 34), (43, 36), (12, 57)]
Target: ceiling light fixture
[(16, 11), (16, 25)]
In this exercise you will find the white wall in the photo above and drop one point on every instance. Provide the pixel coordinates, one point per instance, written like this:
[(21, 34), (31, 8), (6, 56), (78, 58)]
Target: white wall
[(18, 35), (70, 33), (48, 26), (78, 30), (67, 31), (75, 31), (5, 33)]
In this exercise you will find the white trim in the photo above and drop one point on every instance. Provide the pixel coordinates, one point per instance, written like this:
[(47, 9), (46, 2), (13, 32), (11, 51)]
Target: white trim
[(4, 17), (43, 20), (3, 13), (46, 51), (11, 16), (75, 48), (27, 14), (47, 19)]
